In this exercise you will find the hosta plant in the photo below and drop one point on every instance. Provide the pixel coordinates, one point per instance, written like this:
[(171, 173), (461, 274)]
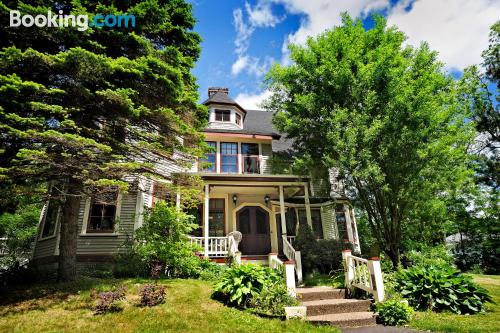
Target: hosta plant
[(240, 283), (441, 289)]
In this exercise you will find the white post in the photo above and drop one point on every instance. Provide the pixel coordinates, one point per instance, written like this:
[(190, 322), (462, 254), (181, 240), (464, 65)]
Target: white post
[(308, 205), (377, 279), (357, 247), (237, 257), (282, 211), (298, 266), (290, 277), (348, 224), (271, 257), (178, 199), (349, 270), (206, 217)]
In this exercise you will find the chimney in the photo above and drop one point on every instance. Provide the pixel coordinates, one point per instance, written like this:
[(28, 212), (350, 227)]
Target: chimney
[(214, 90)]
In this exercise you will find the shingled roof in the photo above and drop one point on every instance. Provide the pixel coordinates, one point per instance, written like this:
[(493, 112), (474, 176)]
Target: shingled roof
[(218, 95)]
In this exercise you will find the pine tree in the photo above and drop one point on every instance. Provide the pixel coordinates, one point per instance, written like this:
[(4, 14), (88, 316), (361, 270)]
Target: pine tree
[(82, 109)]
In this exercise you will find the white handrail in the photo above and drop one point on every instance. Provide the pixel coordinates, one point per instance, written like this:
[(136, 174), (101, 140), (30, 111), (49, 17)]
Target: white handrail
[(288, 270), (364, 274), (217, 246), (291, 254)]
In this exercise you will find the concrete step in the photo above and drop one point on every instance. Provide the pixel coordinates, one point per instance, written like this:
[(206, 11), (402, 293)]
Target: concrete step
[(319, 293), (351, 319), (331, 306)]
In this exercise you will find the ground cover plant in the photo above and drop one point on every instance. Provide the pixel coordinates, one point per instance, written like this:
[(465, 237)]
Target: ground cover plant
[(394, 312)]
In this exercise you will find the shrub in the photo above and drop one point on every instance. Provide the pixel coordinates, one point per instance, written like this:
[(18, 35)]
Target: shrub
[(240, 283), (129, 265), (272, 299), (437, 256), (210, 271), (163, 238), (306, 243), (329, 255), (152, 294), (440, 289), (108, 301), (394, 312)]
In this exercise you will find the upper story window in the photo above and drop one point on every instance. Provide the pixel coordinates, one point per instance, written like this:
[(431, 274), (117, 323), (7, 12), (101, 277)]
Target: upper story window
[(238, 119), (210, 162), (229, 157), (103, 213), (222, 115), (250, 152)]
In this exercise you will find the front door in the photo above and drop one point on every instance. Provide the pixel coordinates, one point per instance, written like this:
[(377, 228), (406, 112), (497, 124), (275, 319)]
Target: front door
[(253, 223)]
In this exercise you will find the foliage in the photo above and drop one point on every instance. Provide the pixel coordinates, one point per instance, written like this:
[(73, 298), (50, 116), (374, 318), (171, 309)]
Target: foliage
[(108, 301), (394, 312), (152, 294), (83, 109), (386, 115), (163, 239), (239, 284), (20, 229), (129, 264), (272, 299), (335, 279), (441, 289), (306, 243), (329, 254), (210, 271), (437, 256)]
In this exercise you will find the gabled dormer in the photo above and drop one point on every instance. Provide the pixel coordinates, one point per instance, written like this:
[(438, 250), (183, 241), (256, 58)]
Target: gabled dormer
[(224, 112)]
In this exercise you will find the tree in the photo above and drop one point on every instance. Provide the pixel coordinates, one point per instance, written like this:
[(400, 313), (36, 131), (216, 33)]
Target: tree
[(82, 109), (384, 114)]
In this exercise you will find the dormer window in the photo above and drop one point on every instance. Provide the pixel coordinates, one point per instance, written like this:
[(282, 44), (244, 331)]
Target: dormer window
[(222, 115), (238, 119)]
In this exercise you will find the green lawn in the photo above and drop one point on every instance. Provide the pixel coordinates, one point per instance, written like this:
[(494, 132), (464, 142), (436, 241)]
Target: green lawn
[(488, 322), (65, 308)]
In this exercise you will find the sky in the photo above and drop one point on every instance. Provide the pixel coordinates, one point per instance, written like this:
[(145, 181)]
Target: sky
[(242, 39)]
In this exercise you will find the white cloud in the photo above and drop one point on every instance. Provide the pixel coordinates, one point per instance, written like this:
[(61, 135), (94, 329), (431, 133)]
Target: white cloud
[(239, 65), (261, 15), (252, 101), (457, 29)]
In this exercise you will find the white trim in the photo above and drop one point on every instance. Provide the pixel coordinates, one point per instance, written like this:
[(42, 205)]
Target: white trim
[(44, 217)]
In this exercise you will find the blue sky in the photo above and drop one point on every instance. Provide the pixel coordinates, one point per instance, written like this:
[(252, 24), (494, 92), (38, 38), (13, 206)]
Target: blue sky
[(242, 39)]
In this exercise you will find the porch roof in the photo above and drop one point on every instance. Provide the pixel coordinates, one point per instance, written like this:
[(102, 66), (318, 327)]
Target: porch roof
[(209, 176)]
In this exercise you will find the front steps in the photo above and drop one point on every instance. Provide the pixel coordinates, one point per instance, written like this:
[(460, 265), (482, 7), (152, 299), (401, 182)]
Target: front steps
[(328, 306)]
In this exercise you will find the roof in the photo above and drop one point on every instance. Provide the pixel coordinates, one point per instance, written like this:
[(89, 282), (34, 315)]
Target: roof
[(221, 97), (258, 120)]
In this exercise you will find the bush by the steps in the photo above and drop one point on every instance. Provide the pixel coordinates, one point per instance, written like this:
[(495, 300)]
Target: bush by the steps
[(394, 312)]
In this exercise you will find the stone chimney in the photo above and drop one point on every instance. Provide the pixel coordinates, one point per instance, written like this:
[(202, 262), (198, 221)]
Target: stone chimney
[(214, 90)]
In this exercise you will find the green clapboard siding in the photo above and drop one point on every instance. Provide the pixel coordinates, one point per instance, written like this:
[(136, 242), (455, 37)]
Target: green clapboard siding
[(329, 222)]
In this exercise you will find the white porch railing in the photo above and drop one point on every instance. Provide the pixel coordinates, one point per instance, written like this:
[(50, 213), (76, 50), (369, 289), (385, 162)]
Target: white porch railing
[(287, 268), (293, 255), (217, 246), (363, 274), (290, 239)]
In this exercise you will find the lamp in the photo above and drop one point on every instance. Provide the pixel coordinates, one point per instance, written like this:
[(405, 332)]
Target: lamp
[(267, 198), (235, 198)]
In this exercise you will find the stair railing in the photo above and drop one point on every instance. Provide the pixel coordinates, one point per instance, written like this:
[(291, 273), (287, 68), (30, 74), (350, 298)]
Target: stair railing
[(294, 256), (364, 274), (288, 270)]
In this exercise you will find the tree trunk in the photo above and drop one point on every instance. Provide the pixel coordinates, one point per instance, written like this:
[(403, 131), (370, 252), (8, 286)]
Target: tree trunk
[(69, 232), (394, 255)]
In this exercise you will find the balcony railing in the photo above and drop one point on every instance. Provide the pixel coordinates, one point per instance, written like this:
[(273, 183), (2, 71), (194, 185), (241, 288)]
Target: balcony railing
[(250, 164)]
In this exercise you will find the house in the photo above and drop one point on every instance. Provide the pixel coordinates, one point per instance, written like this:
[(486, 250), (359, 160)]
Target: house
[(243, 191)]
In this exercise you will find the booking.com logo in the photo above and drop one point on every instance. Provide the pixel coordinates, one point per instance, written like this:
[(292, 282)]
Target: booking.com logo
[(82, 22)]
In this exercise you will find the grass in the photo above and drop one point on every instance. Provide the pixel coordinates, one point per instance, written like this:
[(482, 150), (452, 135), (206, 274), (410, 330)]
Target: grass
[(188, 308), (335, 280), (488, 322)]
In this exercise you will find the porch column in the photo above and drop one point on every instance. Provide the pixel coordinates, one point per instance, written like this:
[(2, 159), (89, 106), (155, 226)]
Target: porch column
[(282, 211), (178, 199), (357, 248), (308, 205), (348, 224), (206, 217)]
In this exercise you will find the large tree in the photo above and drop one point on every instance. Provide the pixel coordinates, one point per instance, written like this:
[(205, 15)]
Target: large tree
[(384, 114), (84, 108)]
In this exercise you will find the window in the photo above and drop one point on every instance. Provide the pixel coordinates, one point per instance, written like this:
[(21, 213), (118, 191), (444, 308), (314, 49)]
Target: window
[(103, 213), (229, 157), (238, 119), (216, 217), (317, 226), (250, 152), (210, 162), (222, 115), (50, 220), (341, 222)]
